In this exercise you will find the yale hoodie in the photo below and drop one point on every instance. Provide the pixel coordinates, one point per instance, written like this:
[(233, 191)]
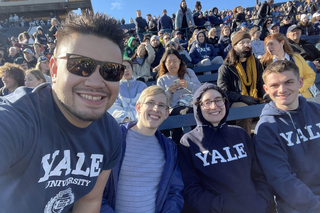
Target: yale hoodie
[(219, 167), (288, 148)]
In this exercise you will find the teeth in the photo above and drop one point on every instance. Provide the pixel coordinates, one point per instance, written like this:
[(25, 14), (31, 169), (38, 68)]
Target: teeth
[(89, 97), (215, 113), (155, 117)]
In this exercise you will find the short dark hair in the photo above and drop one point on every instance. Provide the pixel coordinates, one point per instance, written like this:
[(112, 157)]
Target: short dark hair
[(13, 70), (279, 67), (90, 23)]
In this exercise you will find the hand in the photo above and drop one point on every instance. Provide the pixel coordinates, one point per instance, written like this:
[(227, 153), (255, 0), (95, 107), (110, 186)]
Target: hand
[(126, 120), (249, 100), (183, 83), (173, 87)]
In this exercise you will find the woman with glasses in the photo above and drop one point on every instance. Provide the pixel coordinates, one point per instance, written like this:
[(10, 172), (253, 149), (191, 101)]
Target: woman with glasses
[(218, 164), (278, 48), (179, 83), (124, 108), (142, 60)]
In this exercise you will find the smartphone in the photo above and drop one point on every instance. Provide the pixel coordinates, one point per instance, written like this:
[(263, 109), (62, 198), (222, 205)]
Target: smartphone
[(176, 82)]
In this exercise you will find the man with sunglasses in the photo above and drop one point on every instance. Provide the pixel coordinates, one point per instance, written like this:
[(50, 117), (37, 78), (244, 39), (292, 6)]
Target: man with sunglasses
[(148, 177), (57, 143)]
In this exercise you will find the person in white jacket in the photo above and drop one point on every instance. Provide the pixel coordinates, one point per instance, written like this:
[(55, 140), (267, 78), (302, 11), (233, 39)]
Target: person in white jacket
[(124, 108)]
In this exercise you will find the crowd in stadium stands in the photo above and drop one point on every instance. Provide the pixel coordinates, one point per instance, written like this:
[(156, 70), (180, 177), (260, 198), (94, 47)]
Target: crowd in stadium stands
[(223, 176)]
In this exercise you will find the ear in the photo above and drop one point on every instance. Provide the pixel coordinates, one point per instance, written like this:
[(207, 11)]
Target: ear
[(300, 82), (138, 107), (282, 42), (265, 88), (53, 69)]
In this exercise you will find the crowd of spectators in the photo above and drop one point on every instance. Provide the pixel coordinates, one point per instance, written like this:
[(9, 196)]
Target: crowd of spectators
[(15, 21)]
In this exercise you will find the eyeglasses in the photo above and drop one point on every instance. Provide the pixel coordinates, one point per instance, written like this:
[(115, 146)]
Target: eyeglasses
[(84, 66), (208, 103), (269, 23), (160, 106), (166, 38)]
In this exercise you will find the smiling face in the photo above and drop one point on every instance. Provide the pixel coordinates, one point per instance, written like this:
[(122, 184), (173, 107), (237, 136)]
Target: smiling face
[(201, 38), (9, 82), (173, 64), (31, 81), (150, 118), (215, 113), (226, 31), (283, 89), (294, 35), (127, 72), (84, 99)]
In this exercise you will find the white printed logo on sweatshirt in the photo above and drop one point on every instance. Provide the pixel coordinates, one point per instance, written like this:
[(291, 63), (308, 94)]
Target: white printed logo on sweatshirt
[(60, 201), (216, 155), (293, 138)]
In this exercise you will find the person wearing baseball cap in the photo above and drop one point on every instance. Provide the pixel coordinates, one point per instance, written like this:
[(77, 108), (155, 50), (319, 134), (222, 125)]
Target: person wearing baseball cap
[(244, 26), (29, 57), (274, 28), (240, 76), (183, 43), (44, 67), (307, 50), (257, 45)]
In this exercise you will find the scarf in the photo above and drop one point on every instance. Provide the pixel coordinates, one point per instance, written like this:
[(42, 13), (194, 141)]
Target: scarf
[(249, 78)]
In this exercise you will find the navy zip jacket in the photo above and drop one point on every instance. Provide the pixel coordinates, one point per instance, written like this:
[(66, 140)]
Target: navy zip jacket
[(288, 148), (219, 167), (169, 195), (200, 51)]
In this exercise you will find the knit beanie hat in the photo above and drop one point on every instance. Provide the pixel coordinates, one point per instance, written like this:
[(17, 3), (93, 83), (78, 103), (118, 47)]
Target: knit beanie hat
[(154, 37), (239, 36), (171, 42), (303, 16)]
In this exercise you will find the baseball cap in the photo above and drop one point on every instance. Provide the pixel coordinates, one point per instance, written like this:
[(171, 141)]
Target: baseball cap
[(177, 32), (244, 24), (292, 27), (272, 25), (28, 51), (42, 59)]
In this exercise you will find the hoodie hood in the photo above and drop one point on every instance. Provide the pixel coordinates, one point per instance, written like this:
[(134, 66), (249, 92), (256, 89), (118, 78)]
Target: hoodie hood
[(214, 12), (205, 39), (130, 41), (196, 108)]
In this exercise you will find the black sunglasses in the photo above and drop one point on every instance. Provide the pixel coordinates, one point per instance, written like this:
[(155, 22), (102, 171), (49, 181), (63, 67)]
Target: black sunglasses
[(84, 66)]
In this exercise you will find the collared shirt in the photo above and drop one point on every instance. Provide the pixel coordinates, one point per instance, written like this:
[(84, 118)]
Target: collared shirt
[(286, 57)]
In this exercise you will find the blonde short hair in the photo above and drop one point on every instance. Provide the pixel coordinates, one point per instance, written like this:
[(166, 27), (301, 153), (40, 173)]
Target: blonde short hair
[(153, 90)]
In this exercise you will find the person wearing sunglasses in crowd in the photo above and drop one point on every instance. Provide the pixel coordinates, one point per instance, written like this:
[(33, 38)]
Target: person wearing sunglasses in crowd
[(219, 167), (265, 29), (66, 143), (124, 109), (148, 178)]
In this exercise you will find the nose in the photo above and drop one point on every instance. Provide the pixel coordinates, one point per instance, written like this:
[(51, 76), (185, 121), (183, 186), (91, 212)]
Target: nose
[(213, 105), (95, 80), (281, 88)]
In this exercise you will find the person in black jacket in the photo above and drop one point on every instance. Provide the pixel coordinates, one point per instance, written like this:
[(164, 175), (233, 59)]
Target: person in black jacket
[(263, 12), (141, 25), (159, 50), (165, 23), (310, 7), (240, 76), (152, 24), (198, 17), (239, 17), (286, 24)]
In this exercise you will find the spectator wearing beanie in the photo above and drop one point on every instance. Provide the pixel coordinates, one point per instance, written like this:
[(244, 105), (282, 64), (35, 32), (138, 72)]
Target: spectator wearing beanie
[(158, 49), (307, 27)]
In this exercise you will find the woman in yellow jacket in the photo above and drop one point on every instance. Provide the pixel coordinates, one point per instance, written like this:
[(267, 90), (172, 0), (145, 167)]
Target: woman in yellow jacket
[(278, 48)]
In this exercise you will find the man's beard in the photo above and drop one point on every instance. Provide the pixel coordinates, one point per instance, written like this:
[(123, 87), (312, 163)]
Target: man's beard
[(244, 53)]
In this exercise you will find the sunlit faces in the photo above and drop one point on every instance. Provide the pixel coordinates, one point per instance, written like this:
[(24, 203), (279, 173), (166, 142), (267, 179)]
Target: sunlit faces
[(172, 64), (9, 82), (141, 51), (283, 89), (84, 99), (45, 68), (28, 56), (256, 35), (226, 31), (294, 35), (243, 48), (155, 43), (274, 46), (152, 117), (127, 72), (201, 37), (31, 81), (274, 29), (215, 113)]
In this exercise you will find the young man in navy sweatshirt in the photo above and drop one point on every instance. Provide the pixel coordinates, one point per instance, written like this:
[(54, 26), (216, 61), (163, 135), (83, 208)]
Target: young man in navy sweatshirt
[(287, 140)]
